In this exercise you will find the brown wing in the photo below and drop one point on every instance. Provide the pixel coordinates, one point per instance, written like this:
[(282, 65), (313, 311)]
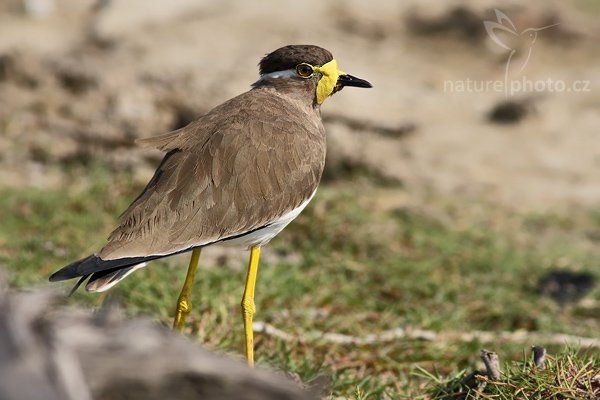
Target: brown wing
[(236, 169)]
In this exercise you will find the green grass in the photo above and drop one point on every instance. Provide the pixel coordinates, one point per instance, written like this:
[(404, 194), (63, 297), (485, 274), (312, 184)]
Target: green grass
[(568, 375), (362, 269)]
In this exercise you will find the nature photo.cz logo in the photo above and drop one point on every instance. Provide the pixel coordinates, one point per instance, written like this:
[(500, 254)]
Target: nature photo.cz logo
[(519, 46)]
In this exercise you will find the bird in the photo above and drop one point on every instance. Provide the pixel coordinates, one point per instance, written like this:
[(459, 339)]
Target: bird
[(236, 175)]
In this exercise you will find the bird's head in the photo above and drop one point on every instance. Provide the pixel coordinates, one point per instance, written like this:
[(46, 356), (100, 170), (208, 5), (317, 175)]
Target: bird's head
[(305, 70)]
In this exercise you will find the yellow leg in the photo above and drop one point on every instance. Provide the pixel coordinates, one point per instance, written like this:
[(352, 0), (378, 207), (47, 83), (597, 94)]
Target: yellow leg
[(184, 304), (248, 306)]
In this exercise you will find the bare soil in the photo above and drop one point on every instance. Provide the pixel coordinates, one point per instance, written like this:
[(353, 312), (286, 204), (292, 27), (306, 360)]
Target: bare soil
[(81, 80)]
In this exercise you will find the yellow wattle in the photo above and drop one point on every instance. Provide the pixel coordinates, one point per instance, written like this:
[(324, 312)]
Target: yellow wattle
[(331, 73)]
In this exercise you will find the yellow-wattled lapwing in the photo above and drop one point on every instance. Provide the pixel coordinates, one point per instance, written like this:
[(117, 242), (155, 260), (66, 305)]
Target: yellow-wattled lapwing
[(237, 175)]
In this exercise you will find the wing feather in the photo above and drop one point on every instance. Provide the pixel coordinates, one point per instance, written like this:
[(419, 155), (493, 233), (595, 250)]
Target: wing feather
[(234, 170)]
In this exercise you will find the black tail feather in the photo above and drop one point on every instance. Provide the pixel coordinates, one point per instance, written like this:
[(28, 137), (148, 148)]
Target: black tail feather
[(93, 263), (98, 268), (79, 282)]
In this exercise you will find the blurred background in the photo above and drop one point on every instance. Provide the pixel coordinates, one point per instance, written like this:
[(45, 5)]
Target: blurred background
[(462, 192)]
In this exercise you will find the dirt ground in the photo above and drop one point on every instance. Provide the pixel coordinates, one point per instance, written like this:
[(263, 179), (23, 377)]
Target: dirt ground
[(81, 79)]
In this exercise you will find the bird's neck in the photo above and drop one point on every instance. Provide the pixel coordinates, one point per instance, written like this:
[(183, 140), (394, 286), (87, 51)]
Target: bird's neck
[(299, 99)]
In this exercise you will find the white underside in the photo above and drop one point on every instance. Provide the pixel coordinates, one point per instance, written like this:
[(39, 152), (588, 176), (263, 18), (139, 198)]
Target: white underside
[(262, 236), (259, 237), (98, 289)]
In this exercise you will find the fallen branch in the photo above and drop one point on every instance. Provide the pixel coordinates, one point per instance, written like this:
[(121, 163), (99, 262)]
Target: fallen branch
[(420, 334), (314, 336), (54, 353)]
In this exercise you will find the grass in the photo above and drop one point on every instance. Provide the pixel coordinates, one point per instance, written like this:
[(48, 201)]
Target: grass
[(568, 375), (361, 268)]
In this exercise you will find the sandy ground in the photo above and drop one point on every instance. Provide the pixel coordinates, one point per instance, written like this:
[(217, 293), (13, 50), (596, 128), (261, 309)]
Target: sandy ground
[(80, 80)]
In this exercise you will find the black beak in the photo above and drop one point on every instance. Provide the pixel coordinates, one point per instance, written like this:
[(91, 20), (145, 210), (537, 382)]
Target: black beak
[(349, 80)]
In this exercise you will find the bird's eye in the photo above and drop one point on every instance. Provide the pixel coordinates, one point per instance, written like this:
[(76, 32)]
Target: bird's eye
[(304, 70)]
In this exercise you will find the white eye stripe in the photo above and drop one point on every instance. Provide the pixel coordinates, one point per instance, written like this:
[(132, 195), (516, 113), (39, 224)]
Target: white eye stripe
[(287, 73)]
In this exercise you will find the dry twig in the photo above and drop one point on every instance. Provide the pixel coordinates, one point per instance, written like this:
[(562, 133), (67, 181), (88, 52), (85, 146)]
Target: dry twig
[(420, 334), (492, 364), (539, 357)]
